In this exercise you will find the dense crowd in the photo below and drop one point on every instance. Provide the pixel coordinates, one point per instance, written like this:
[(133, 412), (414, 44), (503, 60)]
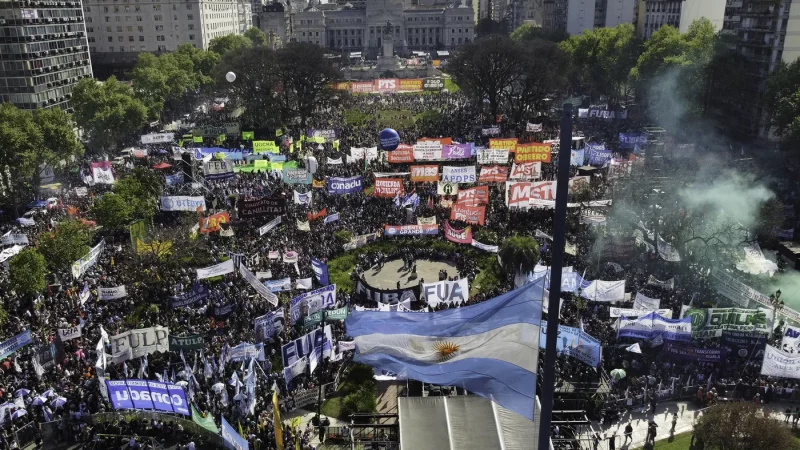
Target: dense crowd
[(227, 319)]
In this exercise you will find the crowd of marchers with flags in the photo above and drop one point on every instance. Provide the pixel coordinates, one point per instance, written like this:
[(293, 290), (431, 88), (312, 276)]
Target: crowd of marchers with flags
[(252, 333)]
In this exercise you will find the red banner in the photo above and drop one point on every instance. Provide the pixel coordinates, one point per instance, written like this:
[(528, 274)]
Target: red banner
[(532, 152), (458, 236), (474, 197), (387, 85), (470, 214), (212, 223), (443, 141), (424, 173), (317, 215), (362, 87), (519, 195), (388, 187), (526, 171), (404, 153), (493, 174)]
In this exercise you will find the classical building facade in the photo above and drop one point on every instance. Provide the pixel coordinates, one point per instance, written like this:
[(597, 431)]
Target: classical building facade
[(418, 26)]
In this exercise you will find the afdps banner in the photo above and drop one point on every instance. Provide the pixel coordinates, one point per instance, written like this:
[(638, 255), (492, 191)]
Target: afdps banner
[(145, 394), (791, 340), (779, 364), (136, 343), (710, 323), (446, 291), (574, 342)]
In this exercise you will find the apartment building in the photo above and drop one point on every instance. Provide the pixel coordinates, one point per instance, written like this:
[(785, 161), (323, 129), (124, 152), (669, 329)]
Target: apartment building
[(43, 52)]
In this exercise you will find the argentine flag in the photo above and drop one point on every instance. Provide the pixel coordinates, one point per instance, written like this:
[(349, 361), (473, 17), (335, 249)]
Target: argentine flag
[(491, 349)]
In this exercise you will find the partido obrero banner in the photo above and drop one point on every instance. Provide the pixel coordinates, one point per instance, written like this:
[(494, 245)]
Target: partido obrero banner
[(146, 394), (574, 342)]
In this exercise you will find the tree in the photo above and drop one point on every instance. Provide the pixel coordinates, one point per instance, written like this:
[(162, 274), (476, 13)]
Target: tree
[(602, 59), (742, 426), (487, 26), (140, 190), (257, 81), (530, 32), (782, 100), (306, 76), (112, 211), (257, 37), (486, 68), (27, 271), (544, 67), (519, 253), (363, 400), (224, 44), (67, 243), (108, 112)]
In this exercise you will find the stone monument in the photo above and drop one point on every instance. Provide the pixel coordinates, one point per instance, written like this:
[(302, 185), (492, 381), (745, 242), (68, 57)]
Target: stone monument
[(388, 60)]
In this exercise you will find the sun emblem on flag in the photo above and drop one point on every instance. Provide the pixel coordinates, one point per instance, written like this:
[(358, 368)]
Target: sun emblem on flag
[(445, 350)]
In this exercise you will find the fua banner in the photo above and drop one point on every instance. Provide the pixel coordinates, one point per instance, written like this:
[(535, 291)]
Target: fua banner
[(446, 291), (311, 302), (136, 343), (146, 394), (67, 334), (112, 293)]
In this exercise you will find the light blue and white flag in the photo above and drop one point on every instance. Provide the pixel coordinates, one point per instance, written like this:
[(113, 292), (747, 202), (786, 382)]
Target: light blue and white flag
[(332, 218), (490, 348)]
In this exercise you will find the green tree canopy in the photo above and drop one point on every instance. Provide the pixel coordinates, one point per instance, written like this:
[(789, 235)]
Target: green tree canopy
[(306, 76), (530, 32), (64, 245), (107, 111), (112, 211), (519, 254), (139, 190), (602, 59), (782, 100), (742, 426), (27, 271), (224, 44), (257, 37)]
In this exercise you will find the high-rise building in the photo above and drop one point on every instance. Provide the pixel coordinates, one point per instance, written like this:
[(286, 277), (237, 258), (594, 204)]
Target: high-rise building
[(654, 14), (43, 52), (589, 14), (119, 30)]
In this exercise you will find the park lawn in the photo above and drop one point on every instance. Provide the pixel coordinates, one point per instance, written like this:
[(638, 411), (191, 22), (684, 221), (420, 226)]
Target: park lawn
[(332, 407), (681, 442)]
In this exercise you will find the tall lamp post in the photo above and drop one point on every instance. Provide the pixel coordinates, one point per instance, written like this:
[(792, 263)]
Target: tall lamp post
[(777, 305)]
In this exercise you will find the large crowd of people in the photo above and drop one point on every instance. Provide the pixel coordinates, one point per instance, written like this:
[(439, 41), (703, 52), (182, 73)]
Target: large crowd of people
[(58, 384)]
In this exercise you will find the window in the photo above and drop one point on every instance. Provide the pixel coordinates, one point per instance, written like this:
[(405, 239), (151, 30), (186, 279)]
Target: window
[(111, 48), (119, 29), (159, 27), (119, 38), (142, 48), (157, 18), (138, 18), (111, 39), (191, 26), (118, 19), (190, 17), (188, 6), (91, 39), (191, 37), (92, 49), (138, 8), (89, 19), (105, 9), (116, 9), (87, 9), (141, 38), (156, 7), (160, 38), (140, 29), (133, 48), (174, 7), (108, 19), (90, 29), (130, 38), (162, 48), (108, 29), (127, 18)]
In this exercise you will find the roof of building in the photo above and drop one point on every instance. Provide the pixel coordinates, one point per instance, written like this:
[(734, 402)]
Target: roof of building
[(463, 422)]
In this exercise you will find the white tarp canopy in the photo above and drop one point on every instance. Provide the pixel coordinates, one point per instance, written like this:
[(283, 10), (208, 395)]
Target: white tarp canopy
[(463, 422)]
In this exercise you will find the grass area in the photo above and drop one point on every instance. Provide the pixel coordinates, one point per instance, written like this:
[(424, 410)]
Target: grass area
[(679, 442), (450, 85), (393, 118), (332, 407)]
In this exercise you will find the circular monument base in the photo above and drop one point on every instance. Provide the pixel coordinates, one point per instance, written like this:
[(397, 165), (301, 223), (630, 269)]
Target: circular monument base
[(387, 276)]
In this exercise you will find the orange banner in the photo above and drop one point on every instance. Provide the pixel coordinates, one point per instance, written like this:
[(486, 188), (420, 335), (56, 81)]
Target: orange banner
[(509, 144), (402, 154), (424, 173), (443, 141), (410, 84), (532, 152), (212, 223), (317, 215)]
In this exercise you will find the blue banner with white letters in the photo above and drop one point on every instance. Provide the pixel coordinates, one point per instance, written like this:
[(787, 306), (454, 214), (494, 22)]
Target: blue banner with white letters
[(320, 271), (311, 302), (339, 185), (631, 140), (146, 394), (598, 154)]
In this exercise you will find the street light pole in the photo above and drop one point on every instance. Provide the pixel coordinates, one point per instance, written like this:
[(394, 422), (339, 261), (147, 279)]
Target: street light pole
[(557, 252)]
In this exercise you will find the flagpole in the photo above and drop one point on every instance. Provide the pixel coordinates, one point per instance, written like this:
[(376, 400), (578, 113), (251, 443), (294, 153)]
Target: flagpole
[(557, 264)]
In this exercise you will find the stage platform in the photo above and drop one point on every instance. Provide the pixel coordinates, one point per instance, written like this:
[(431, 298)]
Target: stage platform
[(387, 276)]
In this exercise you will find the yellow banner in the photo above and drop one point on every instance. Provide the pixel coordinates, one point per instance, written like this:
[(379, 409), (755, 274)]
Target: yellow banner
[(261, 164), (265, 147), (198, 139)]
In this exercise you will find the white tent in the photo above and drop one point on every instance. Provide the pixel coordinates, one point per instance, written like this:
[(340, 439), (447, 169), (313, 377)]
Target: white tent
[(463, 422)]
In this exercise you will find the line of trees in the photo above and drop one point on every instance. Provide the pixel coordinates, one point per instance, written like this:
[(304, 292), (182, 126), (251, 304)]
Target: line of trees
[(272, 87)]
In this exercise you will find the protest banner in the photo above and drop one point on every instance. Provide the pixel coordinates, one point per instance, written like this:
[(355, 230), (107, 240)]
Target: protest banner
[(428, 173), (147, 394), (460, 236), (311, 302), (493, 174), (532, 152), (509, 144), (216, 270), (575, 343), (712, 322), (296, 176), (186, 343), (449, 292), (410, 230), (388, 187), (265, 147), (137, 343), (66, 334), (459, 174), (258, 207), (401, 155), (217, 170), (339, 185), (183, 203), (475, 215), (213, 222), (101, 173), (476, 196), (779, 364), (80, 266), (456, 151), (686, 352), (112, 293), (427, 151), (526, 171), (492, 156), (365, 292), (446, 188), (268, 325), (198, 293)]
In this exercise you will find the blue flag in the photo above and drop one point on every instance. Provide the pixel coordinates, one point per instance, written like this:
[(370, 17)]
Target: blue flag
[(320, 271), (490, 348)]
